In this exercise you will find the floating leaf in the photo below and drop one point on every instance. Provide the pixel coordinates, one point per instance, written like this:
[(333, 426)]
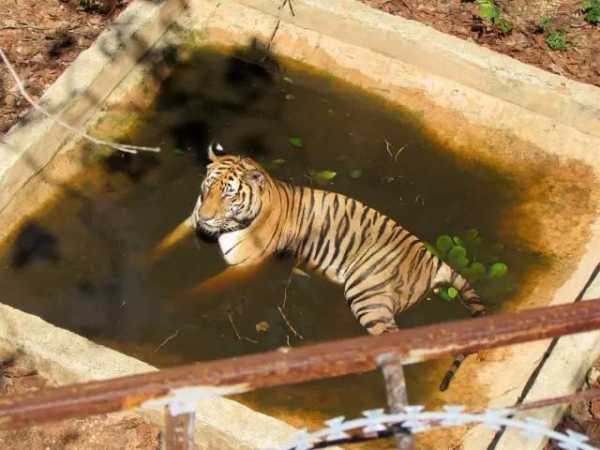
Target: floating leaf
[(296, 142), (262, 327), (498, 270), (278, 162), (458, 241), (471, 234), (322, 176), (452, 292), (356, 173), (444, 243), (457, 257), (288, 80), (444, 295), (476, 271)]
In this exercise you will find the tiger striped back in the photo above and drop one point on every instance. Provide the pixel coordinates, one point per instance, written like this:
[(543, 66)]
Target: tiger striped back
[(384, 269)]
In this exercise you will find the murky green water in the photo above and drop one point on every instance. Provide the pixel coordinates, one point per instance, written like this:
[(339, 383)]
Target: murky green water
[(82, 266)]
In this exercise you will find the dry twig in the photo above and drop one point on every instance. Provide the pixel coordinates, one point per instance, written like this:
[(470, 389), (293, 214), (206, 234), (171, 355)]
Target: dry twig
[(292, 329), (166, 341), (121, 147), (237, 333), (23, 27)]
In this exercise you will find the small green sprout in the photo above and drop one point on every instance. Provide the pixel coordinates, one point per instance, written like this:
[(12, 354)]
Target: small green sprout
[(557, 40), (543, 25), (591, 8), (489, 11)]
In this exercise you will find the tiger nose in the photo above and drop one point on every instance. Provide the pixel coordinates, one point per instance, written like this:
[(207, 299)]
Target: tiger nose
[(204, 216)]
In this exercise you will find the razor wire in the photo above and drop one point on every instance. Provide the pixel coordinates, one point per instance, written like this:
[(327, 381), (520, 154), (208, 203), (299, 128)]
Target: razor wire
[(415, 419)]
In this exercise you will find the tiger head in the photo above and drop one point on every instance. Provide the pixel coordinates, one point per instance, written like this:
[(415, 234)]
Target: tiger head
[(230, 195)]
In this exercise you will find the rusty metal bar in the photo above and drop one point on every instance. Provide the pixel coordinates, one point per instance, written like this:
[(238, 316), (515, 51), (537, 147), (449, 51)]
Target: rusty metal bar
[(302, 364), (395, 385), (179, 430)]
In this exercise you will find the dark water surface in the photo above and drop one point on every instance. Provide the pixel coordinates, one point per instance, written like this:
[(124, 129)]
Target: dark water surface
[(81, 264)]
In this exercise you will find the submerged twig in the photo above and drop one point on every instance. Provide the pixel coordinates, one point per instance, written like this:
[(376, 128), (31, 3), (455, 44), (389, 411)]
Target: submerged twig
[(287, 285), (235, 330), (393, 155), (121, 147), (398, 152), (237, 333), (287, 322), (388, 148), (166, 341)]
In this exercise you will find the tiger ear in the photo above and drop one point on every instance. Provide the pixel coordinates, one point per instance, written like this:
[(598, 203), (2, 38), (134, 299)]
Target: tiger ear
[(256, 177), (215, 150)]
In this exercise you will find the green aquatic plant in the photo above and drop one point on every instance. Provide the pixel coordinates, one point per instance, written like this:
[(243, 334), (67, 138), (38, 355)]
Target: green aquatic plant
[(323, 176), (591, 8), (467, 254)]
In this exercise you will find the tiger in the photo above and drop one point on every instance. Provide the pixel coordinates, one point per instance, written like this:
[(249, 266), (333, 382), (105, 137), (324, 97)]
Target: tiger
[(383, 268)]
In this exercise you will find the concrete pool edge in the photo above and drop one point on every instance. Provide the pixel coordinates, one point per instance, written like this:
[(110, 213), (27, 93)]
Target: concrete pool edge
[(65, 357), (262, 24), (568, 101), (79, 91)]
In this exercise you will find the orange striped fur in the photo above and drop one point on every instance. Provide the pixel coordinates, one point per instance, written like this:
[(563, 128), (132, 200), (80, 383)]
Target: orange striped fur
[(383, 268)]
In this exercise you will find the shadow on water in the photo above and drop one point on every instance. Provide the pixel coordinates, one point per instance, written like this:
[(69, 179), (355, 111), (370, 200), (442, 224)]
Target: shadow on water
[(82, 265)]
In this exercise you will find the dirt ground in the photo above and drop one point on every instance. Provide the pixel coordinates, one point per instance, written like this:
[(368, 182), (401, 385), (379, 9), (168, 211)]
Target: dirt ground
[(103, 432), (584, 417), (527, 41), (41, 38)]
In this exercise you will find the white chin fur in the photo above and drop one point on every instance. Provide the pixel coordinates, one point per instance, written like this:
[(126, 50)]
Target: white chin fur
[(227, 241)]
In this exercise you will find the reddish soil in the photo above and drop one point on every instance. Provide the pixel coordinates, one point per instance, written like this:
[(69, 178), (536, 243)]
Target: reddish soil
[(103, 432), (526, 41), (41, 38)]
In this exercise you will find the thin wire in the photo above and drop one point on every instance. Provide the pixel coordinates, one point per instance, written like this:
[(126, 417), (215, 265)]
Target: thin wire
[(121, 147)]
